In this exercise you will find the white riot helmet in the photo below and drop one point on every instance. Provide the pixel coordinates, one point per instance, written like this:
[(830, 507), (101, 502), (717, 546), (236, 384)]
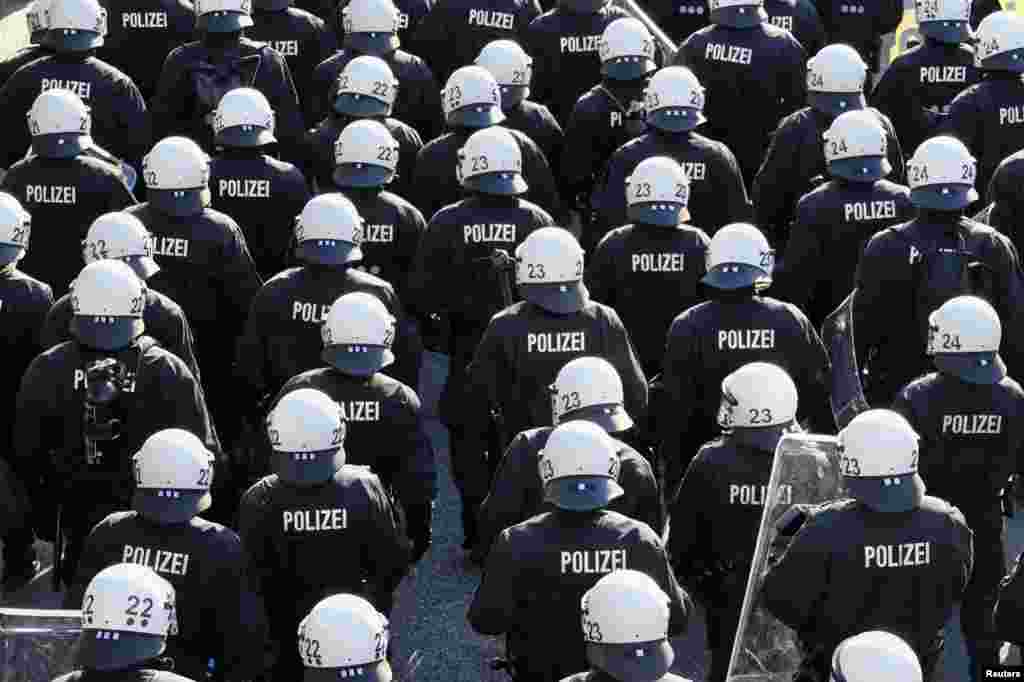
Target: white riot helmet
[(590, 388), (121, 236), (579, 467), (737, 13), (15, 230), (964, 334), (60, 124), (491, 162), (549, 271), (625, 618), (658, 192), (371, 26), (75, 25), (511, 67), (365, 155), (177, 176), (947, 21), (941, 174), (173, 475), (344, 637), (879, 452), (307, 434), (759, 402), (856, 147), (835, 79), (223, 16), (36, 20), (329, 231), (875, 656), (999, 42), (244, 118), (471, 98), (627, 50), (128, 612), (358, 334), (674, 100), (738, 257), (108, 300), (366, 88)]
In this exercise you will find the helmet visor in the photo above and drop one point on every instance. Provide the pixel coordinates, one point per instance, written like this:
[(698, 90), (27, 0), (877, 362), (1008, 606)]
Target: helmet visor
[(72, 40), (170, 506), (888, 494), (328, 252), (308, 467), (676, 119), (362, 175), (376, 44), (636, 662), (944, 197), (562, 299), (245, 136), (613, 417), (974, 368), (627, 68), (505, 184), (113, 654), (582, 493), (476, 116), (106, 333), (360, 106), (735, 276), (61, 145), (836, 103), (360, 361), (862, 168), (223, 22), (951, 32)]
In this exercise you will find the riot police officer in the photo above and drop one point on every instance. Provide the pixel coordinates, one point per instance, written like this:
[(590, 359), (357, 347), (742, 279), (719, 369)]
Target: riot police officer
[(737, 325), (794, 162), (876, 655), (674, 106), (746, 65), (611, 113), (589, 389), (76, 28), (197, 74), (835, 220), (203, 560), (938, 255), (63, 184), (122, 237), (967, 415), (1005, 196), (26, 301), (625, 618), (861, 24), (727, 482), (659, 258), (36, 20), (385, 424), (563, 43), (915, 91), (366, 89), (263, 195), (988, 117), (313, 507), (371, 28), (890, 558), (86, 405), (472, 100), (410, 16), (345, 637)]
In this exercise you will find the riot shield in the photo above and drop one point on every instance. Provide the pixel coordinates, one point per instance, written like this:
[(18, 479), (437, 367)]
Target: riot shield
[(805, 471), (847, 392), (37, 645)]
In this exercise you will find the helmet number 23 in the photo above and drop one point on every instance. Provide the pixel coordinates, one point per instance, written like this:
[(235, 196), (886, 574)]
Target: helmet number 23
[(762, 416), (571, 401), (535, 271)]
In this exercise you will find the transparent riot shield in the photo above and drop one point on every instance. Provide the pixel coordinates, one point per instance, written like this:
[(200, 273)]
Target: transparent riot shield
[(37, 645), (846, 391), (805, 471)]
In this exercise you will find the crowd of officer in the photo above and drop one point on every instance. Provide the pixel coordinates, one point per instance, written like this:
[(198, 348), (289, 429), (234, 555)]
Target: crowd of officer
[(229, 231)]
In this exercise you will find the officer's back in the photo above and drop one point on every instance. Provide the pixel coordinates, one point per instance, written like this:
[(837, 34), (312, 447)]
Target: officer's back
[(1004, 191)]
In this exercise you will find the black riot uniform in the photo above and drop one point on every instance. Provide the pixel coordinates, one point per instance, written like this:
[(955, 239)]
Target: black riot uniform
[(793, 163), (319, 151), (140, 35), (290, 532), (1007, 199), (711, 340), (418, 102), (537, 572), (851, 569), (48, 438), (893, 289), (410, 16), (915, 91), (435, 184), (718, 195), (538, 123), (302, 38), (222, 62), (20, 58), (517, 491), (759, 69), (263, 195), (454, 32), (64, 196), (832, 225), (25, 302), (563, 43), (164, 319), (970, 444), (120, 121), (660, 266), (205, 563), (860, 24)]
